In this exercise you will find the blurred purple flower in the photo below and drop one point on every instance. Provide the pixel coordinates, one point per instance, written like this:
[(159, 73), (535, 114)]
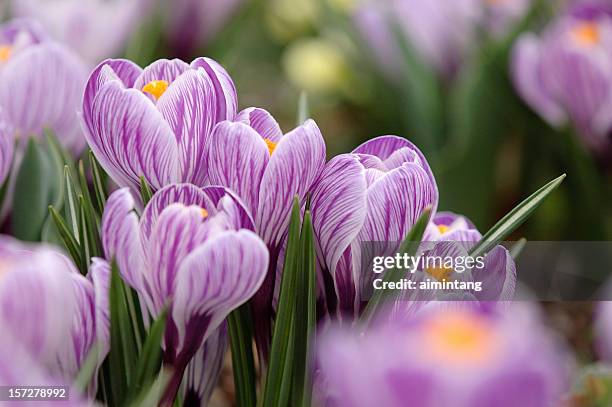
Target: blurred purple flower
[(565, 74), (7, 147), (375, 194), (603, 329), (192, 250), (442, 32), (152, 122), (95, 29), (42, 83), (56, 313), (446, 357), (192, 23)]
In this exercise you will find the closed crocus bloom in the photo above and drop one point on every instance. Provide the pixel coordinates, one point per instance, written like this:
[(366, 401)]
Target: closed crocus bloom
[(565, 73), (50, 307), (459, 357), (375, 194), (42, 84), (7, 147), (84, 24), (152, 122), (192, 251)]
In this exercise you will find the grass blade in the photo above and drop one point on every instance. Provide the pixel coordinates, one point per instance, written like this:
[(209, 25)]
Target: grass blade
[(409, 246), (514, 218), (241, 337)]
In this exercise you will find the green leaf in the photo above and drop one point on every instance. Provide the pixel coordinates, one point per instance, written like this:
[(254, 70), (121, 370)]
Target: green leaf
[(153, 394), (33, 193), (241, 343), (68, 239), (150, 358), (123, 351), (88, 369), (517, 248), (279, 378), (71, 199), (514, 218), (303, 109), (409, 246), (305, 316), (99, 182), (145, 191)]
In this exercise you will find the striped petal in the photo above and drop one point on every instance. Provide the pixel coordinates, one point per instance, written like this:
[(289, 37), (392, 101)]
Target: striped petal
[(237, 158), (161, 70), (130, 138), (338, 207), (294, 166), (214, 279), (218, 195), (42, 88), (202, 373), (225, 91), (498, 276), (100, 278), (262, 122)]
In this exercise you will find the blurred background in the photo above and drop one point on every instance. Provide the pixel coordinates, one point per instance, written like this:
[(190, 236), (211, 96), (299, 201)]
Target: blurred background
[(448, 75)]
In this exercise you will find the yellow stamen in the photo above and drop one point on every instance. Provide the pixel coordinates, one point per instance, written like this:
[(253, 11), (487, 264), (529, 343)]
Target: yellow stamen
[(5, 52), (586, 34), (204, 213), (460, 336), (271, 145), (440, 273), (156, 88), (443, 229)]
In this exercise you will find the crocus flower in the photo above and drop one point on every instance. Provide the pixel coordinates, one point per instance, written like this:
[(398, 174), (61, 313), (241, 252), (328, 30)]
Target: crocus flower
[(95, 29), (192, 251), (446, 357), (603, 329), (42, 83), (7, 146), (564, 74), (442, 32), (57, 314), (152, 122), (374, 194), (192, 23)]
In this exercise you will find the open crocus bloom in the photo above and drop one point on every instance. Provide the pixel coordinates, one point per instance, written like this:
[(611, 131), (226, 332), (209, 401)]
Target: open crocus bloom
[(152, 122), (193, 251), (565, 74), (446, 357), (375, 194), (56, 314), (33, 68), (84, 24)]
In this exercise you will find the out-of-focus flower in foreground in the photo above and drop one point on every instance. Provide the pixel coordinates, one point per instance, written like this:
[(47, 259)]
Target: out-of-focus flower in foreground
[(446, 357), (95, 29), (42, 84), (7, 146), (565, 73), (603, 330), (55, 313), (192, 251), (374, 194), (442, 32), (153, 122)]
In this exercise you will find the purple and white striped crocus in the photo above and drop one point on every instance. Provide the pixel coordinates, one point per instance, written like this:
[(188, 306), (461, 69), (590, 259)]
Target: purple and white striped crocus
[(374, 194), (462, 357), (7, 147), (57, 314), (152, 122), (565, 74), (95, 29), (192, 250), (42, 84)]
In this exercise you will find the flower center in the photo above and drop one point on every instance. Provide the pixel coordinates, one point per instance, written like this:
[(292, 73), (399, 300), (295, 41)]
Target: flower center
[(586, 34), (271, 145), (443, 229), (204, 213), (460, 336), (439, 273), (5, 53), (156, 88)]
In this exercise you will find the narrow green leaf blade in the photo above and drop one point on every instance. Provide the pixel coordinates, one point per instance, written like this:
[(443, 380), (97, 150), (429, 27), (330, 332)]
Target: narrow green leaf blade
[(88, 369), (303, 109), (145, 191), (409, 246), (241, 338), (278, 378), (68, 238), (514, 218), (99, 182), (517, 248)]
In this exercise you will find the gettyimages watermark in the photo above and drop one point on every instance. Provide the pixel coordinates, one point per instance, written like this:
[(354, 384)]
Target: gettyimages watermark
[(443, 270)]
